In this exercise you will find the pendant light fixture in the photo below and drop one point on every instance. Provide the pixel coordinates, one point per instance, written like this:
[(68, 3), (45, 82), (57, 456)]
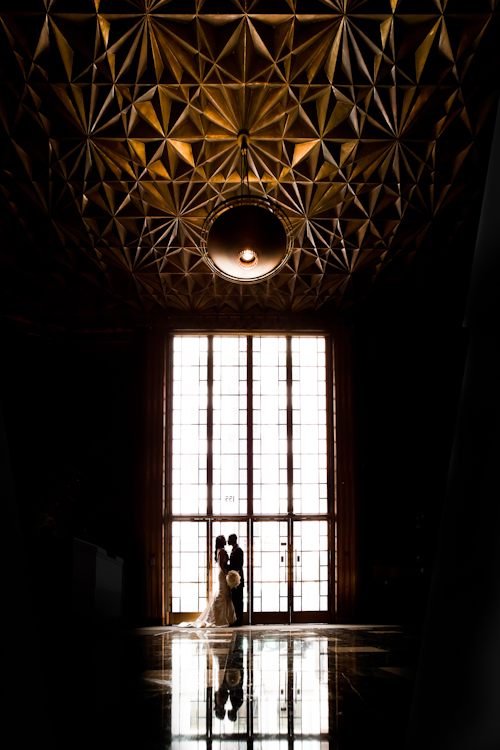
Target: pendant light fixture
[(246, 239)]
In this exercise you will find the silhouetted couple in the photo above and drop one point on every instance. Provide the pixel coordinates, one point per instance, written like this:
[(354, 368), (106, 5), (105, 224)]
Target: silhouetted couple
[(231, 681), (225, 607)]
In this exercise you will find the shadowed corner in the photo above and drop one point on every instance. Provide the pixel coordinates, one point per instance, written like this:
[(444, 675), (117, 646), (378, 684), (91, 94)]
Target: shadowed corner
[(455, 702), (26, 710)]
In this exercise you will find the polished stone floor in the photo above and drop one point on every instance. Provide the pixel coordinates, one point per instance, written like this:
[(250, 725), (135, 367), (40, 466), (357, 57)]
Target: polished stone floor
[(341, 687)]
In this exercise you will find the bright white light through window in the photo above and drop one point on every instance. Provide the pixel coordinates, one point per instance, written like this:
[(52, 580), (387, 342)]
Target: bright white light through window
[(270, 416), (189, 429), (309, 425), (230, 425), (249, 441), (189, 566), (270, 483)]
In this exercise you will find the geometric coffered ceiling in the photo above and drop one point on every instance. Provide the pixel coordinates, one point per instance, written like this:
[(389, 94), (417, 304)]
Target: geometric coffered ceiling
[(121, 119)]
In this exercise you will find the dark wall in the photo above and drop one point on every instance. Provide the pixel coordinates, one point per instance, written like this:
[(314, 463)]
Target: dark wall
[(69, 409), (455, 703), (408, 390), (409, 357)]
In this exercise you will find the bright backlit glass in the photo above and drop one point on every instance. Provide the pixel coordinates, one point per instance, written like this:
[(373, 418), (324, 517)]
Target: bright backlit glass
[(189, 566), (310, 566), (283, 380), (229, 425), (269, 415), (270, 566), (189, 428), (309, 425)]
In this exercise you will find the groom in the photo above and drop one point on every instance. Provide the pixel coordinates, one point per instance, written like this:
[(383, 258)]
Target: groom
[(236, 563)]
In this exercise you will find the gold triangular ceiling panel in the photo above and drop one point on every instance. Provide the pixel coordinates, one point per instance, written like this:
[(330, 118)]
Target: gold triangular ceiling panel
[(365, 123)]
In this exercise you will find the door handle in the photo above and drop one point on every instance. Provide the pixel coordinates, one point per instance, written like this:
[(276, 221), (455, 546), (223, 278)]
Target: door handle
[(282, 558)]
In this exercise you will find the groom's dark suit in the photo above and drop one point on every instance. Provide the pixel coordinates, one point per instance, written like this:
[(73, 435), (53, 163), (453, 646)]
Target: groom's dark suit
[(236, 563)]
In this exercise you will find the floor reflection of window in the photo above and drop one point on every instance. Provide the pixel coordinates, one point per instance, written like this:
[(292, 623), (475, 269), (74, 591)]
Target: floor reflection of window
[(190, 678), (310, 686), (279, 685), (292, 744), (230, 686), (270, 661), (275, 687)]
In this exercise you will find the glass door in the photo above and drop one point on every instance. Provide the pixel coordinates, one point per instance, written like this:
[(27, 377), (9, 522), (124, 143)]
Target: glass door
[(189, 569), (290, 571), (270, 572), (310, 571)]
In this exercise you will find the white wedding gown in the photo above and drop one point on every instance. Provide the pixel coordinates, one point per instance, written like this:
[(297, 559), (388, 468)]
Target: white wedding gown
[(219, 612)]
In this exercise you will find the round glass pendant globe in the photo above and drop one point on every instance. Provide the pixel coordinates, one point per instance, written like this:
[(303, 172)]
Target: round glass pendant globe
[(246, 241)]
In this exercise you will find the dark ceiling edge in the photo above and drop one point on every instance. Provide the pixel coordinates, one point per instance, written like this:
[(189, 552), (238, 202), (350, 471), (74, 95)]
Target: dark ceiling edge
[(51, 329)]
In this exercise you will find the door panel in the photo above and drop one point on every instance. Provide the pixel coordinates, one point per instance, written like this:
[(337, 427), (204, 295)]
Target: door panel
[(286, 587), (270, 571), (189, 569), (310, 570)]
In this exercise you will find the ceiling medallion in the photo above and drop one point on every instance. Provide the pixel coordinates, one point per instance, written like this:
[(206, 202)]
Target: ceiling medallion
[(246, 239)]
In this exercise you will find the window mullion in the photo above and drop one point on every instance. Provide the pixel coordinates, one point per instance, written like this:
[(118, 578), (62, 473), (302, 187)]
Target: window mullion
[(289, 422), (210, 389), (249, 583), (249, 426), (289, 470)]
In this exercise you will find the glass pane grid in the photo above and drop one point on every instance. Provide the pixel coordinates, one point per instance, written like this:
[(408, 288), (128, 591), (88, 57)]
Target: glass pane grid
[(270, 482), (229, 447), (270, 566), (309, 431), (189, 566), (310, 566), (189, 425), (270, 465)]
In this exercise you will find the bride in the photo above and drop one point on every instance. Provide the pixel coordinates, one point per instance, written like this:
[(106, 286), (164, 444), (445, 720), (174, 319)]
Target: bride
[(219, 611)]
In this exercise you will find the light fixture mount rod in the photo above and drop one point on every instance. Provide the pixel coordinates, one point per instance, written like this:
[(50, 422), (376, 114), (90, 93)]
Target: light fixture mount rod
[(243, 139)]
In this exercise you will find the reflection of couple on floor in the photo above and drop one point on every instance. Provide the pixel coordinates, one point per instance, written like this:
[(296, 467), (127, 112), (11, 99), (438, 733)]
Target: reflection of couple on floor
[(230, 681), (225, 607)]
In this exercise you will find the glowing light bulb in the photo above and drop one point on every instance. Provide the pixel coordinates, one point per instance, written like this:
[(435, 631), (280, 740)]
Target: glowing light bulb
[(247, 255), (247, 258)]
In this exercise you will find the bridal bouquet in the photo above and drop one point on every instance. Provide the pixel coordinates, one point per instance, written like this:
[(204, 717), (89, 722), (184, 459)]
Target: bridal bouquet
[(233, 579)]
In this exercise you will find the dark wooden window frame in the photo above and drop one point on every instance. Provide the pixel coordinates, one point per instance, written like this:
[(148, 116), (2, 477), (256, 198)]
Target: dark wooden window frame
[(153, 487)]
